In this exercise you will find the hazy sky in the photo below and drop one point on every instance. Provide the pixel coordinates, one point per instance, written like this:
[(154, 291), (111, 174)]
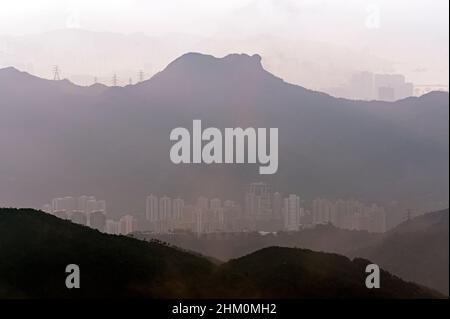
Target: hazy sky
[(412, 34), (332, 20)]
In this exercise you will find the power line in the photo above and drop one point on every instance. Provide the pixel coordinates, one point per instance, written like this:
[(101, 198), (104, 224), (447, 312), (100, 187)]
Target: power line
[(56, 76)]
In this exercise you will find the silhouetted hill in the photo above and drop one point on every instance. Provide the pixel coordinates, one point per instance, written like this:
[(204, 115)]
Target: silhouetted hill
[(115, 143), (16, 81), (416, 250), (225, 246), (36, 247), (431, 222), (287, 272)]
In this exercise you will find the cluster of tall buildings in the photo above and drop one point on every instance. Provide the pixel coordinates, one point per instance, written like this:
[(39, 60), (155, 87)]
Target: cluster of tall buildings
[(383, 87), (263, 210), (164, 214), (270, 211), (349, 214), (88, 211), (372, 86), (125, 225), (84, 210)]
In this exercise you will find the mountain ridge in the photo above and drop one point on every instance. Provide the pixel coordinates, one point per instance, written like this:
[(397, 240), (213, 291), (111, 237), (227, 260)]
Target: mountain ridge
[(416, 249), (37, 247), (336, 148), (255, 60)]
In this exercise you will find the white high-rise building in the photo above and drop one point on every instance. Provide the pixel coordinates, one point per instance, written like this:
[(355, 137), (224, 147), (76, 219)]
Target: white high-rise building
[(64, 204), (292, 212), (203, 203), (112, 227), (198, 218), (82, 203), (91, 205), (58, 205), (127, 224), (152, 208), (258, 201), (277, 205), (97, 220), (101, 206), (215, 204), (69, 204), (322, 211), (78, 217), (177, 208), (165, 208)]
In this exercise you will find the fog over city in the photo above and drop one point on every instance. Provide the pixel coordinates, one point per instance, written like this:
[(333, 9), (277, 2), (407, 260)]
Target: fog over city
[(242, 149), (321, 45)]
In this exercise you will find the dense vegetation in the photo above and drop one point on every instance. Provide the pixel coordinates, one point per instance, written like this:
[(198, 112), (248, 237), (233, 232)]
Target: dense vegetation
[(35, 249), (416, 250)]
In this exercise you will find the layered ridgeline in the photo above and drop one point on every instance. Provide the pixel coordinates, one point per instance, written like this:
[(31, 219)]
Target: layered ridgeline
[(416, 250), (36, 247), (59, 139)]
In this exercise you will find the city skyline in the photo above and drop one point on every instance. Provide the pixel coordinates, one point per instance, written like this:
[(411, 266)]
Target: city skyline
[(248, 151), (261, 210)]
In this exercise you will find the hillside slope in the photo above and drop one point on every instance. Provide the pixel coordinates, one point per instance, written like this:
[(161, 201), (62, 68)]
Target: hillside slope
[(416, 250), (114, 142), (36, 247), (277, 272), (225, 246)]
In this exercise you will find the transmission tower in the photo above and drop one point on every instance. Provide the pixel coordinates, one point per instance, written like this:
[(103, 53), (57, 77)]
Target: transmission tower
[(130, 81), (56, 76), (141, 76), (95, 80), (114, 80)]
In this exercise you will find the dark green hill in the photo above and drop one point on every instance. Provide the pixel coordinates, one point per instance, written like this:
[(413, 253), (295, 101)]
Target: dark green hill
[(36, 247), (277, 272), (416, 250)]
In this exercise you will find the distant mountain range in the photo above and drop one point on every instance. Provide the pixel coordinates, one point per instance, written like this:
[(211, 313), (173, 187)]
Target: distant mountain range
[(59, 139), (415, 250), (36, 247), (82, 55)]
